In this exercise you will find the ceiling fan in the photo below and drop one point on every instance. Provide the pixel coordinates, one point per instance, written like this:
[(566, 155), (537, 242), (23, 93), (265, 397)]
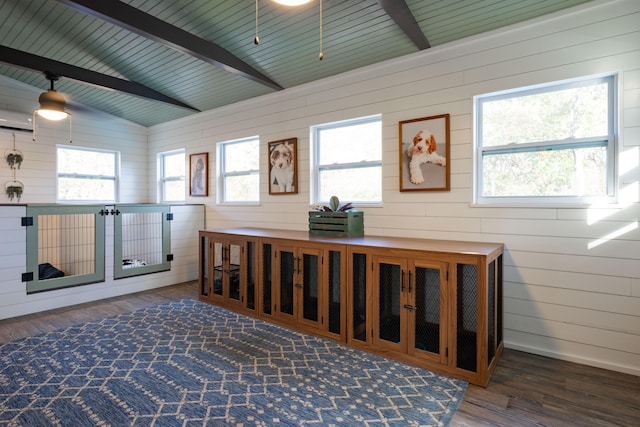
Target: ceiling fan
[(52, 105)]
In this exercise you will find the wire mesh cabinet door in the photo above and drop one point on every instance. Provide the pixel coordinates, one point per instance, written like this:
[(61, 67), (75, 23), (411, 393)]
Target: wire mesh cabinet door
[(427, 310), (299, 291), (390, 316)]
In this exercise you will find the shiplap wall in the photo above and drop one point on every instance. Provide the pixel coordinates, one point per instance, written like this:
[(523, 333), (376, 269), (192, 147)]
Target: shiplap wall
[(567, 294), (90, 129), (38, 174)]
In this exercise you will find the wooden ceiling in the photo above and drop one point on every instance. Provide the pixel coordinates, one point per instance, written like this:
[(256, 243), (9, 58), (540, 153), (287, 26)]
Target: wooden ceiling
[(152, 61)]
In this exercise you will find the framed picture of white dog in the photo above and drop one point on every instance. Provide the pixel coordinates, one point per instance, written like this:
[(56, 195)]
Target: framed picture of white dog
[(283, 170), (424, 154)]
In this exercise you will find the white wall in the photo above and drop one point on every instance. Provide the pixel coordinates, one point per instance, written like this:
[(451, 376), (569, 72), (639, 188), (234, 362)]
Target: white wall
[(89, 129), (567, 294), (38, 174)]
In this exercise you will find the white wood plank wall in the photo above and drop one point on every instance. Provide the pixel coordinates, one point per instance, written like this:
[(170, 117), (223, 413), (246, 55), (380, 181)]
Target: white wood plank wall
[(38, 174), (14, 301), (572, 275)]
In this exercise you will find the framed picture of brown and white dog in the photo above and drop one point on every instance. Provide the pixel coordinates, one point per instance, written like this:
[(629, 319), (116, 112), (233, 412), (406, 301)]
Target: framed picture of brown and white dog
[(283, 168), (424, 154)]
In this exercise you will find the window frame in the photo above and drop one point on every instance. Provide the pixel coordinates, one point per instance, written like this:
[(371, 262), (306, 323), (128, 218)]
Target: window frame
[(316, 168), (222, 174), (163, 179), (609, 141), (115, 178)]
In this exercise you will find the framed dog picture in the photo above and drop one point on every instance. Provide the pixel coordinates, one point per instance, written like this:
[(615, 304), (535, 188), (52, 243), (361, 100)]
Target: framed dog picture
[(198, 174), (424, 154), (283, 169)]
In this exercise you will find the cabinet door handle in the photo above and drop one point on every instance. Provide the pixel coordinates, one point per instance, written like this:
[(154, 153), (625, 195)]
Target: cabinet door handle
[(409, 281), (409, 307)]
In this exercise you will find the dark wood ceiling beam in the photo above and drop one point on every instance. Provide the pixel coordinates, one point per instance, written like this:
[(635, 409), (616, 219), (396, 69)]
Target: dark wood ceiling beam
[(399, 11), (33, 62), (139, 22)]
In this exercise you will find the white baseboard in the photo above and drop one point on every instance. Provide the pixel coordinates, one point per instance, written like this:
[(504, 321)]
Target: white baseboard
[(575, 359)]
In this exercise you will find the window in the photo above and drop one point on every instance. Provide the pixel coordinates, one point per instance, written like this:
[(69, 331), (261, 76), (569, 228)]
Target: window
[(172, 172), (548, 144), (86, 174), (239, 171), (347, 161)]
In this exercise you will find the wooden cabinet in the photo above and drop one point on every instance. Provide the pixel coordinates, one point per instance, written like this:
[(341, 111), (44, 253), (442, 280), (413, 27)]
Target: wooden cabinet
[(437, 304), (435, 308)]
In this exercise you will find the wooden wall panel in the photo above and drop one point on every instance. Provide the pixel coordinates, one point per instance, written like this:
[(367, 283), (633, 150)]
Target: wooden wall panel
[(571, 292)]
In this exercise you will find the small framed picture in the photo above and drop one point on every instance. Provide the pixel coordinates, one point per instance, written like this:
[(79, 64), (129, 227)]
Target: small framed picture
[(424, 154), (198, 174), (283, 169)]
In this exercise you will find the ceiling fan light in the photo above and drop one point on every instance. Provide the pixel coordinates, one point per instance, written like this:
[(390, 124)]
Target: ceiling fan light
[(292, 2), (52, 105), (52, 114)]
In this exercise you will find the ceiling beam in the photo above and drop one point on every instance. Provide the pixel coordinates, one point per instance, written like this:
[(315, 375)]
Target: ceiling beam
[(139, 22), (33, 62), (399, 11)]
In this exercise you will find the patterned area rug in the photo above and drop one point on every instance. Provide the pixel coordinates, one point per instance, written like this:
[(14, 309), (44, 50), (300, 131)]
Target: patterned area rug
[(193, 364)]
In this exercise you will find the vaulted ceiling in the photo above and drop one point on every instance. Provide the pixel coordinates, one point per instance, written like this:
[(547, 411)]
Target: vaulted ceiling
[(152, 61)]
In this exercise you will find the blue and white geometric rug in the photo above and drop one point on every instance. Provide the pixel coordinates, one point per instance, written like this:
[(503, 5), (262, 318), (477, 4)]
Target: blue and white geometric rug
[(189, 363)]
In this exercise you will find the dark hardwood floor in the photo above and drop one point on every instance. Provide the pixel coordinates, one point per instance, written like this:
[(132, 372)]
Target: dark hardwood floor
[(525, 390)]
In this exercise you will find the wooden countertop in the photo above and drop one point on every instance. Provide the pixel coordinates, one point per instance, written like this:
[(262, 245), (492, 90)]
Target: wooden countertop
[(429, 245)]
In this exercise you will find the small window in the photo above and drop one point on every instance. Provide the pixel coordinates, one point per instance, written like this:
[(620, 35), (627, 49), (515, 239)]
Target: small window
[(549, 144), (172, 176), (347, 161), (86, 174), (239, 171)]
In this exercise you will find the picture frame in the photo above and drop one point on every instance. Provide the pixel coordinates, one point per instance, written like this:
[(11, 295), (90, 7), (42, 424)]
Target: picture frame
[(283, 166), (424, 154), (199, 175)]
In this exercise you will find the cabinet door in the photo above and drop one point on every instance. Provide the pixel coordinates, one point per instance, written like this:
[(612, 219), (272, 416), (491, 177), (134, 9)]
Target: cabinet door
[(234, 264), (390, 314), (426, 288), (231, 272), (299, 277), (217, 252), (466, 317), (410, 307), (308, 286), (286, 263), (358, 310), (251, 276), (266, 288), (241, 274), (334, 307), (205, 282)]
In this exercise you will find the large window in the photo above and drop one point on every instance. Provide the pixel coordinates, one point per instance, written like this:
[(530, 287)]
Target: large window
[(346, 161), (547, 144), (239, 171), (172, 172), (86, 174)]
